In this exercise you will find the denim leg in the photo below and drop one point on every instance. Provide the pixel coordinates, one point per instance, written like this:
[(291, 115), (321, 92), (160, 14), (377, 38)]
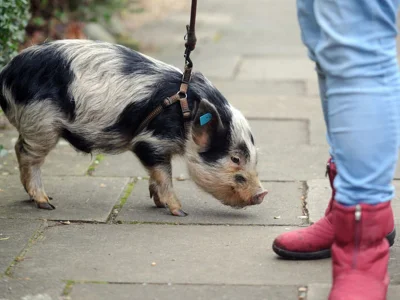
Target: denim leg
[(310, 34), (357, 53), (324, 104)]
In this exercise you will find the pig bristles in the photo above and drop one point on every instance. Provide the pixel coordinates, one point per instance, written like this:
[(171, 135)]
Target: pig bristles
[(96, 94)]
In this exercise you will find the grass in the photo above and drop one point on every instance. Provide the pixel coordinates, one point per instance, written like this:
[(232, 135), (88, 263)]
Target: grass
[(68, 287), (117, 207), (21, 256), (94, 164), (69, 284)]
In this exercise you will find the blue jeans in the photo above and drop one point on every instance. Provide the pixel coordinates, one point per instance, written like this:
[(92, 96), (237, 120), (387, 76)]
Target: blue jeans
[(353, 43)]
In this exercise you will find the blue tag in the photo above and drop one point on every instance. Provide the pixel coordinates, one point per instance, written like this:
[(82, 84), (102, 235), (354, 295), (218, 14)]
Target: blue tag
[(204, 119)]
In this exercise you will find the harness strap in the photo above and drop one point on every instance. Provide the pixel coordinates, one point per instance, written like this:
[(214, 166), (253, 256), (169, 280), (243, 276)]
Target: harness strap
[(166, 103)]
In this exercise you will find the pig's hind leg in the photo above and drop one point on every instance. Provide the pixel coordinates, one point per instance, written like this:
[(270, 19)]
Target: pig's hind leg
[(38, 136), (30, 160)]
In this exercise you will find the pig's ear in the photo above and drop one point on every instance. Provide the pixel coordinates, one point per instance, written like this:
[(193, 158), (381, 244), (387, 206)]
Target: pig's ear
[(207, 123)]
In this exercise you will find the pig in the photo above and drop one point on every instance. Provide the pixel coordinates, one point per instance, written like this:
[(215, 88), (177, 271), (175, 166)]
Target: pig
[(95, 95)]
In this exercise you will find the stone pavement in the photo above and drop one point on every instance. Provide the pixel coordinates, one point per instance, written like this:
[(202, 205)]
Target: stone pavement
[(106, 240)]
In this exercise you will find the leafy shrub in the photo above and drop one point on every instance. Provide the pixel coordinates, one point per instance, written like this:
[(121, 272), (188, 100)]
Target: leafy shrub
[(14, 17)]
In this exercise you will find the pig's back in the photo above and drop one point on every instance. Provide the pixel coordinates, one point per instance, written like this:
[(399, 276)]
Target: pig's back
[(83, 78)]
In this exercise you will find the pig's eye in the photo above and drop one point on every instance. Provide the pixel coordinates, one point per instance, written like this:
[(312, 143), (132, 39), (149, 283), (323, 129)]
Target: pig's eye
[(240, 179), (235, 159)]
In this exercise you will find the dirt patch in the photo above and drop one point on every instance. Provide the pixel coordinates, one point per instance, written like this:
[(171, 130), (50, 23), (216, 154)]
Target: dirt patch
[(151, 10)]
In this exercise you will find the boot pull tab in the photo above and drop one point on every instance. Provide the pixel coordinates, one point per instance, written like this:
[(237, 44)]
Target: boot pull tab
[(358, 212)]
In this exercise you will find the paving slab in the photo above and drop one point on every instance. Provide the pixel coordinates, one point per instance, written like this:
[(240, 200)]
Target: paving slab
[(318, 196), (287, 163), (167, 254), (258, 104), (248, 44), (8, 138), (282, 206), (31, 289), (319, 193), (321, 291), (279, 132), (14, 236), (301, 162), (313, 88), (266, 132), (275, 163), (221, 67), (268, 88), (63, 160), (231, 28), (276, 69), (75, 198), (181, 292), (128, 165), (167, 34)]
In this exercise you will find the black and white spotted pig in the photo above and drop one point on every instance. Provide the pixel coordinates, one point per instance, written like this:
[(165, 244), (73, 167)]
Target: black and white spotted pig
[(96, 94)]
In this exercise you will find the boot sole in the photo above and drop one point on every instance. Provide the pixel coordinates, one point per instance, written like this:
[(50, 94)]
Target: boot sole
[(326, 253)]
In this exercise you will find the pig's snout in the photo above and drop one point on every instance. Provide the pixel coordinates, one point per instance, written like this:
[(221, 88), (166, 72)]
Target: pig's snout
[(258, 198)]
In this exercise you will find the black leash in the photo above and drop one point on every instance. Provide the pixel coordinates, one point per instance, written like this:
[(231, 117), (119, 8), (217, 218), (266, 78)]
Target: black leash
[(190, 37), (181, 96)]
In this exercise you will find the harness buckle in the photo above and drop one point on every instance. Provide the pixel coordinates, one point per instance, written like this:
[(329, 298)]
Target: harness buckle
[(167, 102)]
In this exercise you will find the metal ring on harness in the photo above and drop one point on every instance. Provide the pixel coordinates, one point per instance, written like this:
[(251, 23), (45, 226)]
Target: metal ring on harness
[(182, 95)]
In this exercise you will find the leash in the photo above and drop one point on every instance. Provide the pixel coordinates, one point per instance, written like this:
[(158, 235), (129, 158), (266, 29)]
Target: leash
[(181, 95)]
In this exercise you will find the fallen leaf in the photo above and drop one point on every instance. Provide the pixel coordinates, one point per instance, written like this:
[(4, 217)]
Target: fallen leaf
[(4, 239), (65, 222), (102, 185), (153, 264), (277, 217)]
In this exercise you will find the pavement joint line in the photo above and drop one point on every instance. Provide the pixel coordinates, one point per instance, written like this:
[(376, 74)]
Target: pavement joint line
[(279, 119), (75, 222), (304, 202), (141, 178), (122, 200), (309, 138), (20, 257), (269, 56), (76, 282), (58, 221), (236, 68), (69, 284), (92, 168), (155, 223), (302, 82)]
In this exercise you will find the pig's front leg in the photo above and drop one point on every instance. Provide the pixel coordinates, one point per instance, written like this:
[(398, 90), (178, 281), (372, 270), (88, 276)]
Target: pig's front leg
[(161, 190), (158, 163)]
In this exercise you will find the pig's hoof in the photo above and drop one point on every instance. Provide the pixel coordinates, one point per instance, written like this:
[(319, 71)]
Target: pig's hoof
[(45, 205), (178, 213)]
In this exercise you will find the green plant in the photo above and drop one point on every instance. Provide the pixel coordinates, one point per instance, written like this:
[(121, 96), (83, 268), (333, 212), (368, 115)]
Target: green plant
[(97, 10), (14, 16)]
